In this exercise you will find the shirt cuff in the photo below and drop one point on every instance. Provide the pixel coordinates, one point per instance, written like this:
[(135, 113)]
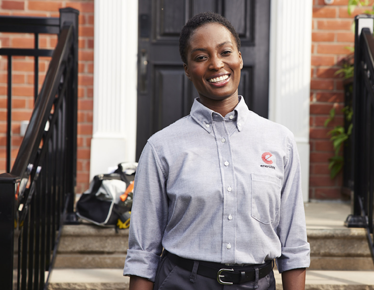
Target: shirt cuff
[(294, 258), (141, 263)]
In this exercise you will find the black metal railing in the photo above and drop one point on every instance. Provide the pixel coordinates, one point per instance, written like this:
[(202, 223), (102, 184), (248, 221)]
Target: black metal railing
[(363, 129), (38, 192)]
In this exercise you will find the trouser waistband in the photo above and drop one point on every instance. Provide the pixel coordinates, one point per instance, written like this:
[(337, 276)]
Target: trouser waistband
[(224, 274)]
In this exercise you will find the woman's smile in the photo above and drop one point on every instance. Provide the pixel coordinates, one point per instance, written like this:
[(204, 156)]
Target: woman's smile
[(219, 80), (214, 65)]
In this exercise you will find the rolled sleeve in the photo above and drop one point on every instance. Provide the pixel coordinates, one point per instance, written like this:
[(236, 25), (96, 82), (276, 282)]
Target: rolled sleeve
[(142, 264), (292, 229), (148, 217)]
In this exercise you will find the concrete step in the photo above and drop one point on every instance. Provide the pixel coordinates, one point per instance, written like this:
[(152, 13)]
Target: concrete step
[(91, 246), (112, 279), (333, 246)]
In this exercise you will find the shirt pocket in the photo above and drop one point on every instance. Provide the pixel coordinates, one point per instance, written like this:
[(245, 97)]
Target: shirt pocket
[(266, 195)]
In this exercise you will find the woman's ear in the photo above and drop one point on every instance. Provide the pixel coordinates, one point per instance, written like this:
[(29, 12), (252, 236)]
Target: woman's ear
[(241, 60), (186, 70)]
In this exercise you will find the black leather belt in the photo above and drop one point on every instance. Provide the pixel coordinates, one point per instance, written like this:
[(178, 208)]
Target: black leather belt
[(226, 275)]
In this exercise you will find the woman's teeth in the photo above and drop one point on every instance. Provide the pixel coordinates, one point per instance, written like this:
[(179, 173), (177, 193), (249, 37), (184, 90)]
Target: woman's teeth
[(219, 79)]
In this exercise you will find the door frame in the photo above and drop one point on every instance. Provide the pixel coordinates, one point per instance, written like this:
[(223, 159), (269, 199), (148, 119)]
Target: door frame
[(285, 14)]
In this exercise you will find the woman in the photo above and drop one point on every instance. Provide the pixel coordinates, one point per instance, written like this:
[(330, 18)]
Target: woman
[(218, 190)]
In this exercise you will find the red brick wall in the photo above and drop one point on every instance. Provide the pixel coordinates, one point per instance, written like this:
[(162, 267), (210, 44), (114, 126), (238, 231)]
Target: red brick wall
[(23, 76), (331, 33)]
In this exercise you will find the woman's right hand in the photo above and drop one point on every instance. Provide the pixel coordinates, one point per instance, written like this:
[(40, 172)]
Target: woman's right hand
[(139, 283)]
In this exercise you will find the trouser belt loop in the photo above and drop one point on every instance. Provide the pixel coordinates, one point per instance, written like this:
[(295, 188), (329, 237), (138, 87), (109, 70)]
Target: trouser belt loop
[(194, 271), (257, 273)]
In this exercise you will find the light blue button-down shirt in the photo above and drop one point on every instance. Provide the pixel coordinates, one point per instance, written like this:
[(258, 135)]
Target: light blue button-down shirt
[(220, 189)]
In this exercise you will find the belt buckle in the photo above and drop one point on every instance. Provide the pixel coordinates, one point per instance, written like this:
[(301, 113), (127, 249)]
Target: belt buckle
[(219, 276)]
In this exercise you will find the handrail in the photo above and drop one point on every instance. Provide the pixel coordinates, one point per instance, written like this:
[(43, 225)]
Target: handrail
[(362, 141), (44, 104), (37, 194), (41, 24)]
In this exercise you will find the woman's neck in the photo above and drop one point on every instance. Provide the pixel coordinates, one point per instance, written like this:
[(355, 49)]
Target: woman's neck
[(222, 107)]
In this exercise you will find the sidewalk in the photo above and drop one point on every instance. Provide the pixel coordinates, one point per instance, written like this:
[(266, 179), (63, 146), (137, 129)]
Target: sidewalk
[(319, 216)]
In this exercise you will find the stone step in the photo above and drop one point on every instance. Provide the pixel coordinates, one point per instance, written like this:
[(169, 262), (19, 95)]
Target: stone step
[(89, 246), (112, 279), (333, 246), (339, 249)]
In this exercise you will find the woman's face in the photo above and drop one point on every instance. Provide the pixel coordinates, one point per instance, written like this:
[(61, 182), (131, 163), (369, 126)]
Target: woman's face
[(214, 63)]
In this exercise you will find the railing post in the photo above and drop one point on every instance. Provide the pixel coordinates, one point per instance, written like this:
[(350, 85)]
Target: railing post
[(70, 16), (8, 222), (355, 219)]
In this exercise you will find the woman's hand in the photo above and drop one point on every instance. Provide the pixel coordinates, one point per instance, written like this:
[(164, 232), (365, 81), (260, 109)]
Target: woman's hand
[(139, 283), (294, 279)]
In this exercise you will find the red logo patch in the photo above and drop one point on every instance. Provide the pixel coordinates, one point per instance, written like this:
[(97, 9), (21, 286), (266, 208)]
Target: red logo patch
[(266, 158)]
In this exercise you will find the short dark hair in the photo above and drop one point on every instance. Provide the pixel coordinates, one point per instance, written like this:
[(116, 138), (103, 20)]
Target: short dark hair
[(197, 21)]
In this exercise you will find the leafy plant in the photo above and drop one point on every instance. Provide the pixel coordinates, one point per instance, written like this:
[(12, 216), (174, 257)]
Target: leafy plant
[(338, 137), (352, 4), (347, 70), (339, 134)]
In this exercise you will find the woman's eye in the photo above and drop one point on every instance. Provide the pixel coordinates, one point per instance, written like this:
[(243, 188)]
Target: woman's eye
[(200, 58), (226, 52)]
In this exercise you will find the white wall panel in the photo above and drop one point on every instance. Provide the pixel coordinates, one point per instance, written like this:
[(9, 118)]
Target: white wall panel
[(115, 95), (290, 61)]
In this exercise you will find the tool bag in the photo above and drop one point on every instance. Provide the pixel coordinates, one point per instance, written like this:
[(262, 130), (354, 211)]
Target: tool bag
[(108, 200)]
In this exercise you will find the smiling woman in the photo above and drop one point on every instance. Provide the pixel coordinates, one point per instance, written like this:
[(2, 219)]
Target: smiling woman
[(213, 65), (217, 193)]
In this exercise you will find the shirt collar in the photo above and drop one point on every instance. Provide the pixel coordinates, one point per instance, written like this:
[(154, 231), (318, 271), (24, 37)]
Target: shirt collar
[(205, 116)]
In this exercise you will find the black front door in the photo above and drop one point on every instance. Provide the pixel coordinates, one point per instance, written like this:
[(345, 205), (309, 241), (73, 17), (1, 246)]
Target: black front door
[(164, 92)]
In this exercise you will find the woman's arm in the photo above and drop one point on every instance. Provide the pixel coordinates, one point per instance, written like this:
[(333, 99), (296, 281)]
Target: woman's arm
[(139, 283), (294, 279)]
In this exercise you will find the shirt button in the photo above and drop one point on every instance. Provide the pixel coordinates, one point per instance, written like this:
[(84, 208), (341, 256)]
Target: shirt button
[(229, 217), (229, 189), (239, 124), (207, 125), (227, 163), (223, 140), (231, 117), (228, 246)]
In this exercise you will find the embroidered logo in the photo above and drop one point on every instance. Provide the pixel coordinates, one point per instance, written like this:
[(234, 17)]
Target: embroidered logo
[(266, 158)]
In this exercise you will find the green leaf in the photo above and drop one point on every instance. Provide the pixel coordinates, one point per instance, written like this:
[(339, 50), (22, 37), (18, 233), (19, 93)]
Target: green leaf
[(350, 9), (347, 70), (335, 165), (348, 112), (336, 131), (335, 170), (350, 48), (350, 129), (338, 143), (332, 115)]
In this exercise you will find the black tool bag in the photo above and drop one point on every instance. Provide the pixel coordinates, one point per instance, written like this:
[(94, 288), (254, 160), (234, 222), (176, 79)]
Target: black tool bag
[(108, 200)]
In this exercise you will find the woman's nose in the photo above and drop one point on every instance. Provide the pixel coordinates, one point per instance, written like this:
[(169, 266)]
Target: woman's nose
[(216, 63)]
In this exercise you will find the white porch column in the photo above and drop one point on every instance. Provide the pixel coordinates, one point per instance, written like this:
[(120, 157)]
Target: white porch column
[(290, 61), (115, 95)]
